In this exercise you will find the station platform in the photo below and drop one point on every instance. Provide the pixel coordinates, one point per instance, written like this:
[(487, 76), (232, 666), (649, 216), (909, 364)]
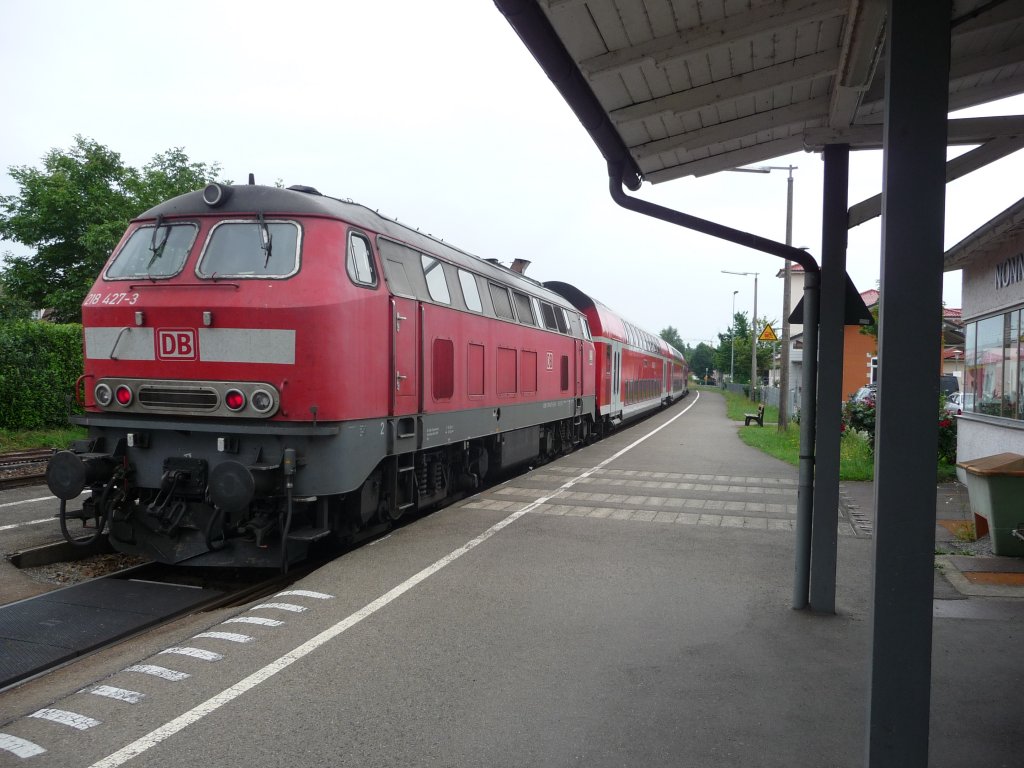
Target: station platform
[(625, 605)]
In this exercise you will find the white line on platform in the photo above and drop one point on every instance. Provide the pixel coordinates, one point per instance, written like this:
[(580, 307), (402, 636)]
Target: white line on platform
[(62, 716), (30, 522), (19, 747), (152, 669), (281, 607), (228, 695), (253, 620), (27, 501), (231, 637), (195, 653), (305, 593), (110, 692)]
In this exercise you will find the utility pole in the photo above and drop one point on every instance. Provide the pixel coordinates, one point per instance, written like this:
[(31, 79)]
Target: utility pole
[(787, 299)]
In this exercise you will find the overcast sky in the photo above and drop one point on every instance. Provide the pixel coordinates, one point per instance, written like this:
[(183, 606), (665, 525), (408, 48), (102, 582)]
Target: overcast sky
[(434, 114)]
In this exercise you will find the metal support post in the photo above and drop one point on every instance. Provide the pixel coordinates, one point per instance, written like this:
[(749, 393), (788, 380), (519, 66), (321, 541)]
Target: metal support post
[(909, 349), (805, 491), (824, 528)]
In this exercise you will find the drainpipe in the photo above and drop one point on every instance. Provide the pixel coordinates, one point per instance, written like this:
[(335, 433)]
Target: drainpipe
[(812, 281)]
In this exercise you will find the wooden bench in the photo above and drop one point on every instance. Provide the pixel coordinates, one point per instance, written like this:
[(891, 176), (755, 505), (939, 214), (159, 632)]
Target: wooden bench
[(758, 417)]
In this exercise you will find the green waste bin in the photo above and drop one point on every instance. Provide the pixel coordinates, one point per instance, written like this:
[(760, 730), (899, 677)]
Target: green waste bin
[(995, 487)]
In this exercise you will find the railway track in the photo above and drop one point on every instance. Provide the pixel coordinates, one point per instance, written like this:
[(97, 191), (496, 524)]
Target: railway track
[(23, 467)]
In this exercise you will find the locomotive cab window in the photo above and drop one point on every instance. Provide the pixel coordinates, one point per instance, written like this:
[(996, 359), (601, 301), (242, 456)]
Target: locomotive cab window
[(359, 261), (153, 252), (251, 249), (436, 283), (469, 291)]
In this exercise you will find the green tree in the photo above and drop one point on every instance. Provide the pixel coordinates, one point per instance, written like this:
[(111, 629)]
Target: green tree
[(701, 359), (671, 335), (738, 359), (72, 212)]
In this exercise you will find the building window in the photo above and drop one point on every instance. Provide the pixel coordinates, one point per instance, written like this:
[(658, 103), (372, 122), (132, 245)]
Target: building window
[(992, 366)]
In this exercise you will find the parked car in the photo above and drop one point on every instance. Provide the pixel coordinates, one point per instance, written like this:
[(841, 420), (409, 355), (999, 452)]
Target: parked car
[(948, 384), (958, 402), (864, 394)]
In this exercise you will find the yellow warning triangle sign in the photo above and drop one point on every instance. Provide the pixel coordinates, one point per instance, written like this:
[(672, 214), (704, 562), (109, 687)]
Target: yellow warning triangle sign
[(768, 334)]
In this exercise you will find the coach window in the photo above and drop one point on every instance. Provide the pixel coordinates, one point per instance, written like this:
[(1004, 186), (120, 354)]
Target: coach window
[(436, 284), (469, 291), (523, 308), (500, 300), (359, 262)]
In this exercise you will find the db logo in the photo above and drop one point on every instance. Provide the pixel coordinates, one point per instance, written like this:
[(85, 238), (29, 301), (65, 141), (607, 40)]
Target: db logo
[(176, 344)]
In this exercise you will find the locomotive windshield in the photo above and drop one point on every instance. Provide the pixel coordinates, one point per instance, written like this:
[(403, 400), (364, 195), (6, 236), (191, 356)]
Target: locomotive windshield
[(243, 249), (153, 252)]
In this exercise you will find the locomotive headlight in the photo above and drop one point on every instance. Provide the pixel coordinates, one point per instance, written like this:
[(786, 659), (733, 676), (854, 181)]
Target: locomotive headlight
[(234, 400), (262, 401), (123, 395), (103, 394)]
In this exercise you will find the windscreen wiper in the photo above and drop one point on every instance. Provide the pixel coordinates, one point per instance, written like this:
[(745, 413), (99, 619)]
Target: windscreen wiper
[(266, 241), (157, 249)]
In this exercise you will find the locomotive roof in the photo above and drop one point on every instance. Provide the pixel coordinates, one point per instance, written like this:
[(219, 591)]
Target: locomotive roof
[(247, 199)]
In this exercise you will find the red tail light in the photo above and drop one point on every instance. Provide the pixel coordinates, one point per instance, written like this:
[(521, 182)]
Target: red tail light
[(234, 400), (123, 395)]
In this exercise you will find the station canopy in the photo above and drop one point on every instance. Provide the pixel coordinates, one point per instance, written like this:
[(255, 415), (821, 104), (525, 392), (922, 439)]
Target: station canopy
[(675, 88)]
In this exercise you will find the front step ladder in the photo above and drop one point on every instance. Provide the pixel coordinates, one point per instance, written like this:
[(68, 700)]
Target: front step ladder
[(405, 484)]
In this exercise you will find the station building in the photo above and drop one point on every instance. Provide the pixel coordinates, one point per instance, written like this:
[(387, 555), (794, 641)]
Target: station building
[(992, 260)]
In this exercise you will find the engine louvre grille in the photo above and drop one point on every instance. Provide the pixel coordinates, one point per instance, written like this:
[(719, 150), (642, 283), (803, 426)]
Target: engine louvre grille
[(179, 398)]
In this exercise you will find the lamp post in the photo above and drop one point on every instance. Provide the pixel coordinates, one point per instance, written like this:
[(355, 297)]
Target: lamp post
[(786, 291), (753, 333), (732, 339)]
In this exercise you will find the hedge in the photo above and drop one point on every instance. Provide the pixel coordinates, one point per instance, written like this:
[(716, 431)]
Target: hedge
[(39, 363)]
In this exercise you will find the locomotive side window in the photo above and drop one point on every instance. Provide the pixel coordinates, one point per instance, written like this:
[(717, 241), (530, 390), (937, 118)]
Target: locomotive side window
[(251, 249), (549, 316), (436, 284), (586, 328), (523, 308), (561, 320), (500, 300), (469, 291), (359, 261), (153, 252)]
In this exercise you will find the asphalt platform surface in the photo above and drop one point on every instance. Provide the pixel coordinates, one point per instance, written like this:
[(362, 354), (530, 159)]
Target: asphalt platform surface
[(627, 605)]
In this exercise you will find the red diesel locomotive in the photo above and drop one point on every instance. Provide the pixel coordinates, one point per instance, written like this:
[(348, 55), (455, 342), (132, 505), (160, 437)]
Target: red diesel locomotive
[(266, 367)]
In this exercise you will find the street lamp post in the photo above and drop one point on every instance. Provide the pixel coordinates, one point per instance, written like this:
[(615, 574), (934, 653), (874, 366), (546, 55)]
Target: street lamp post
[(732, 338), (786, 292), (753, 333)]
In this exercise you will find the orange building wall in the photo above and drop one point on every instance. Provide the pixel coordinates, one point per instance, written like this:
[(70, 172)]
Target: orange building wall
[(856, 350)]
